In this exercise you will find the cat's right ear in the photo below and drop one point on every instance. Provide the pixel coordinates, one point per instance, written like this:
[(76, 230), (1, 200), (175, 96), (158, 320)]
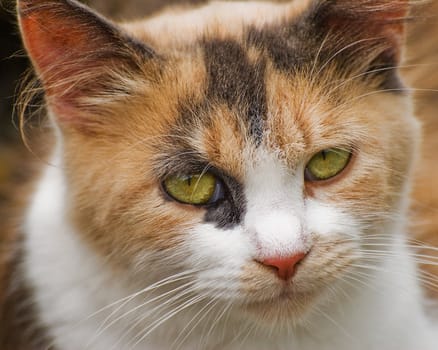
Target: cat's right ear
[(77, 54)]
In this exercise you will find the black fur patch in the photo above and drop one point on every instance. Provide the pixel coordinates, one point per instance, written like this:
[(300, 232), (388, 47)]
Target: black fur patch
[(233, 79), (230, 211)]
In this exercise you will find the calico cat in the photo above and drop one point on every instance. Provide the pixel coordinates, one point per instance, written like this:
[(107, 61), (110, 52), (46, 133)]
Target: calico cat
[(231, 176)]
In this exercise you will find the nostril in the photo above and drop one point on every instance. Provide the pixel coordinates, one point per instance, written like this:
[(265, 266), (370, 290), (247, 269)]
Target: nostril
[(285, 266)]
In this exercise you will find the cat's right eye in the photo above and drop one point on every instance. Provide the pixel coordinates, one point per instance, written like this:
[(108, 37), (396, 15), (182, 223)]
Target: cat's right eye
[(195, 189)]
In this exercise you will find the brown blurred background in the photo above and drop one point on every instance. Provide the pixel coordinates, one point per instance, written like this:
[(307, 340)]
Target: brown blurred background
[(11, 67), (422, 54)]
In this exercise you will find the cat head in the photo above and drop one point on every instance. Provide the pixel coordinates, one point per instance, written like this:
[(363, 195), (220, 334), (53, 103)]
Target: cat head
[(257, 147)]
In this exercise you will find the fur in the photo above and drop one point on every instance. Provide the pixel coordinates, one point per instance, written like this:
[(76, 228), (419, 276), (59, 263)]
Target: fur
[(113, 263)]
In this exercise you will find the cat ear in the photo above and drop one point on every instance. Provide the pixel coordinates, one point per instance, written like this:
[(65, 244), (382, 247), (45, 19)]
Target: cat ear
[(76, 53), (370, 30)]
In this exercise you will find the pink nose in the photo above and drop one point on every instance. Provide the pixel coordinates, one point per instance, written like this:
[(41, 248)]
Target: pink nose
[(285, 266)]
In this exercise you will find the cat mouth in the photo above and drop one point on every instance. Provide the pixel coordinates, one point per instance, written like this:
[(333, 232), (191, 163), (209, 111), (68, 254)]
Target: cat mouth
[(274, 299), (285, 297), (278, 293), (286, 293)]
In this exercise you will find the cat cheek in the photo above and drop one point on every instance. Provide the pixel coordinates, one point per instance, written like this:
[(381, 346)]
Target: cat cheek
[(325, 220)]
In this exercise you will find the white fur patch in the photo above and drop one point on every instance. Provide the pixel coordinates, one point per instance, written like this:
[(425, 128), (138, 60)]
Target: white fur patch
[(67, 277), (275, 216)]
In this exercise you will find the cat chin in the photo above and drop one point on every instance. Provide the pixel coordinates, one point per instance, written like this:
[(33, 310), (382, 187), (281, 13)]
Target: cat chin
[(291, 306), (281, 313)]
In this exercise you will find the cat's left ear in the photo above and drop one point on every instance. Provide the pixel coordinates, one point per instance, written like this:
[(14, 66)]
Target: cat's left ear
[(78, 55), (362, 30)]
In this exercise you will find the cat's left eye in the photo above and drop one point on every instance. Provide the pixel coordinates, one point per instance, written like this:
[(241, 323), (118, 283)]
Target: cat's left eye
[(327, 164), (195, 189)]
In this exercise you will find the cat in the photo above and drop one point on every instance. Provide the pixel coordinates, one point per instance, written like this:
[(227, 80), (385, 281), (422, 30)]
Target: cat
[(231, 176)]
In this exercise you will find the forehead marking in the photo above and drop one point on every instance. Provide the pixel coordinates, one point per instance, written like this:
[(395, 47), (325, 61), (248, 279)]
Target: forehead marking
[(238, 81)]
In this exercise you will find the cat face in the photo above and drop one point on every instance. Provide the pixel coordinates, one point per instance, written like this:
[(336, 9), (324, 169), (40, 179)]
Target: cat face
[(262, 161)]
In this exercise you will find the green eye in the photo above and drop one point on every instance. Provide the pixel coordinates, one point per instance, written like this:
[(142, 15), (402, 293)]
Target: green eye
[(197, 189), (327, 164)]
